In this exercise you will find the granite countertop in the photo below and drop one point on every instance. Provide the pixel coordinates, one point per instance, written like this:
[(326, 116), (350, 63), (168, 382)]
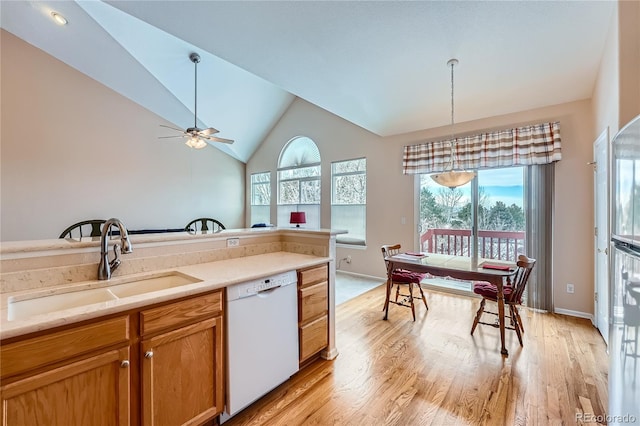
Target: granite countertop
[(211, 276)]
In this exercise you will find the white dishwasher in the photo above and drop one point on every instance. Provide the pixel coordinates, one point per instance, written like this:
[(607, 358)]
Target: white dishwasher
[(262, 338)]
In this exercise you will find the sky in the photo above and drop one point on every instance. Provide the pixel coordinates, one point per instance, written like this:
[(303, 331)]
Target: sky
[(506, 185)]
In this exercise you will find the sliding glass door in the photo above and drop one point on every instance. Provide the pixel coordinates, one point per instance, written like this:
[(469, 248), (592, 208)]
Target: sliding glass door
[(493, 201)]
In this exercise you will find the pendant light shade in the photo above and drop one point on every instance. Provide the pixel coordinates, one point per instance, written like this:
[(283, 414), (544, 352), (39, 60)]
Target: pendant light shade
[(451, 178)]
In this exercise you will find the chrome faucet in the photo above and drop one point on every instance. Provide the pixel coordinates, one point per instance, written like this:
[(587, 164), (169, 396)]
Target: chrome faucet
[(106, 267)]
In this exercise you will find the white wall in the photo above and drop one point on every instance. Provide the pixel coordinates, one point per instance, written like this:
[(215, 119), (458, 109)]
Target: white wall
[(390, 194), (72, 149)]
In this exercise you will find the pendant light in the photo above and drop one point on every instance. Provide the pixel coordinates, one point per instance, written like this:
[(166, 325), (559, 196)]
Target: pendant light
[(451, 178)]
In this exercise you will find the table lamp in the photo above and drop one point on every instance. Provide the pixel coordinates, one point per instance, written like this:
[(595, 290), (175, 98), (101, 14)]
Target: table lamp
[(298, 218)]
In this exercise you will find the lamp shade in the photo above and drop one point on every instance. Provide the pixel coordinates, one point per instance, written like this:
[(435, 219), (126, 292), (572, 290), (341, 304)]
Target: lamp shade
[(453, 179), (298, 218)]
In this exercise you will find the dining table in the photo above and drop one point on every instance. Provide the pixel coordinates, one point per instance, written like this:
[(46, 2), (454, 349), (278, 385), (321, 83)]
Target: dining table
[(458, 267)]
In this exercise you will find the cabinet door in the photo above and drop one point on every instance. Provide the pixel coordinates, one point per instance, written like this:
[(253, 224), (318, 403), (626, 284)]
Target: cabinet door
[(182, 375), (93, 391)]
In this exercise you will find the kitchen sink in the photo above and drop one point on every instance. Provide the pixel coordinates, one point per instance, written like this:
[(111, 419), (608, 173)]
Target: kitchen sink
[(23, 309), (150, 284), (20, 309)]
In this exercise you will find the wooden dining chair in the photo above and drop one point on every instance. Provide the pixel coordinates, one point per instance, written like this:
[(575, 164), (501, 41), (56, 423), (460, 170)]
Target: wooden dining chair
[(86, 228), (204, 224), (512, 296), (402, 277)]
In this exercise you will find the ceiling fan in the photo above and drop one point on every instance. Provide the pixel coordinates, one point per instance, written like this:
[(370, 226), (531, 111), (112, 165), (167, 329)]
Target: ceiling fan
[(196, 138)]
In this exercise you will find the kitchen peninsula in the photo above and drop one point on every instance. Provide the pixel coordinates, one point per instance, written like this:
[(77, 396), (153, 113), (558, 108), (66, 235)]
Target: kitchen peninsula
[(82, 344)]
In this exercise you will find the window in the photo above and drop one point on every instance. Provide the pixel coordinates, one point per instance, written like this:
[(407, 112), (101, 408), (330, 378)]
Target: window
[(349, 200), (261, 198), (299, 181)]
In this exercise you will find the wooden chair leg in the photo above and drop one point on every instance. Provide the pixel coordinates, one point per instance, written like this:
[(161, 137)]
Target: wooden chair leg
[(516, 325), (397, 291), (424, 299), (519, 320), (413, 309), (478, 315), (387, 296)]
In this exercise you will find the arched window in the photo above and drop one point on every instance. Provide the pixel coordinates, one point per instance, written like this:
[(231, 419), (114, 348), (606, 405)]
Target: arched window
[(299, 181)]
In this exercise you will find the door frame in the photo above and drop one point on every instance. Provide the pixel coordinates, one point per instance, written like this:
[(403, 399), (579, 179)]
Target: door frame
[(601, 289)]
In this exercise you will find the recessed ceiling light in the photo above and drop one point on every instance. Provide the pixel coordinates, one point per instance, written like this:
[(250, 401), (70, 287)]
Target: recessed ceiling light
[(59, 19)]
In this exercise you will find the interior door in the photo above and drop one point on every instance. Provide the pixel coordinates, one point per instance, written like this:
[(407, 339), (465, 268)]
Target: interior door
[(601, 201)]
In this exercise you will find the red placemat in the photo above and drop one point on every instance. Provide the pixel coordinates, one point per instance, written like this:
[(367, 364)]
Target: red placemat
[(498, 267), (413, 253)]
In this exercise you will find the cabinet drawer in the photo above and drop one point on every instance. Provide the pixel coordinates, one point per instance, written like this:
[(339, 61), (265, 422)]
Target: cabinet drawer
[(313, 337), (178, 313), (313, 301), (31, 353), (313, 275)]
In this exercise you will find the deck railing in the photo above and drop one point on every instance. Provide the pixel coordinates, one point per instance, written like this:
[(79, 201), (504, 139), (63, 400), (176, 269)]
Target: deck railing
[(501, 245)]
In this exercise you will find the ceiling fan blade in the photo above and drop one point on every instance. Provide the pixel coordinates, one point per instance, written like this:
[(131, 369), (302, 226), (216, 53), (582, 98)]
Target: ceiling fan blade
[(167, 137), (209, 131), (172, 128), (223, 140)]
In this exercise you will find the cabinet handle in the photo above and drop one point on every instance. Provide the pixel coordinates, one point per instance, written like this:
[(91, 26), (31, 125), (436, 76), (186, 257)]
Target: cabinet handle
[(148, 354), (125, 363)]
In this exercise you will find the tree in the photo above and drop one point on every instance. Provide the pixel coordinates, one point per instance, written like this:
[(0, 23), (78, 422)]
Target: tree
[(431, 213), (449, 199)]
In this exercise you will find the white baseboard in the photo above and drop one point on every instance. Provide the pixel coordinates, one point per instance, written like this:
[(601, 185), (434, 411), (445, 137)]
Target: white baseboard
[(574, 313), (355, 274)]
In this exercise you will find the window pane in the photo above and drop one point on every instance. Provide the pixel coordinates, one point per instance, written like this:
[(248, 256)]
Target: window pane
[(444, 222), (298, 152), (261, 177), (301, 172), (351, 218), (359, 165), (289, 192), (260, 214), (310, 192), (501, 214), (261, 197), (350, 189)]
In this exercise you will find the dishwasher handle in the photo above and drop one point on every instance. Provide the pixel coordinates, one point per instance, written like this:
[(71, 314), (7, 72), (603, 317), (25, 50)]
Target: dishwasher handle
[(268, 291)]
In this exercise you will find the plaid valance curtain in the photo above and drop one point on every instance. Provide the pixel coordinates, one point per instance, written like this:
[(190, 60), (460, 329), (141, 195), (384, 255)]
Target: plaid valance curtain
[(535, 144)]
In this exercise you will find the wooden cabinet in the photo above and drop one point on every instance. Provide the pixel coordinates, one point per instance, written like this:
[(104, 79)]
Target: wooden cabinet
[(184, 364), (313, 311), (161, 365), (91, 390)]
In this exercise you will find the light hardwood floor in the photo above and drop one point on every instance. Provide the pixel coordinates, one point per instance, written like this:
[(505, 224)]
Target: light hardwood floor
[(433, 372)]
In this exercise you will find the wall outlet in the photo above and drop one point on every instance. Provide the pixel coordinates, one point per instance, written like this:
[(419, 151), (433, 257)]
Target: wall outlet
[(348, 259), (233, 242), (570, 288)]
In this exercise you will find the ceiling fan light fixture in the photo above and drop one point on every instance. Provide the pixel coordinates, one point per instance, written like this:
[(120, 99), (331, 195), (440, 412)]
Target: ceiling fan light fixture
[(195, 142), (451, 178)]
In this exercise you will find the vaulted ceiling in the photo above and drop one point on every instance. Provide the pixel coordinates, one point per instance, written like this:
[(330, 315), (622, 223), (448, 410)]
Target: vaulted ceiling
[(378, 64)]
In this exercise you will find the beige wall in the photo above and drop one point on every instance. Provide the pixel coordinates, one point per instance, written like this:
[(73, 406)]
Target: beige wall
[(390, 194), (72, 149), (629, 59)]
